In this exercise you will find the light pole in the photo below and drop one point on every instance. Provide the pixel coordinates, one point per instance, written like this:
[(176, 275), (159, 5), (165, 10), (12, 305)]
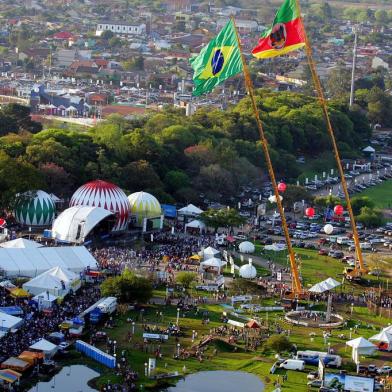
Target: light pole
[(178, 316), (178, 350), (133, 327), (145, 369), (352, 308)]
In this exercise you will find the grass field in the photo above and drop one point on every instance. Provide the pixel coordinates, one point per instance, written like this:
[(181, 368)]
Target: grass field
[(381, 194)]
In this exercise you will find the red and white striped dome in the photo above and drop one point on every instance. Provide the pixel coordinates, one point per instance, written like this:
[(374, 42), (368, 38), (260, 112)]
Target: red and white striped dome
[(105, 195)]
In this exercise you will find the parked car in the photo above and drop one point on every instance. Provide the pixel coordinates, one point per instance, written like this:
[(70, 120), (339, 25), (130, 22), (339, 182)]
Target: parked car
[(384, 370), (372, 369), (315, 383), (323, 252)]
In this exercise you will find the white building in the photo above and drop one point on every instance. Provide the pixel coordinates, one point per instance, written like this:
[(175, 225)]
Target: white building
[(120, 28), (245, 26)]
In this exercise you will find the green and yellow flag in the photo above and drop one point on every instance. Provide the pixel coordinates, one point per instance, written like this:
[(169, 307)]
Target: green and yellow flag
[(218, 61)]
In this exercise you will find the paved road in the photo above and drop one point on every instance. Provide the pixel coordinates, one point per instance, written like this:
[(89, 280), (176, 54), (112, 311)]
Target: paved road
[(363, 178)]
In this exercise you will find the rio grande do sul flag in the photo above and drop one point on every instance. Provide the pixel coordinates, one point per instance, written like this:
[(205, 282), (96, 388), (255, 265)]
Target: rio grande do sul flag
[(218, 61), (285, 35)]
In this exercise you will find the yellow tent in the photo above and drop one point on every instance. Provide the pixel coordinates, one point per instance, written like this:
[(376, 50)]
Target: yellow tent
[(19, 293), (195, 257)]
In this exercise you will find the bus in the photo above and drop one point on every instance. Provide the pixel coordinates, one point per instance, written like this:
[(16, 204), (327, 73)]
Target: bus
[(312, 358)]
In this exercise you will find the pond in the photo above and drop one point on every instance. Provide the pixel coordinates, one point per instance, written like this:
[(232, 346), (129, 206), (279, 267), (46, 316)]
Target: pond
[(219, 381), (70, 379)]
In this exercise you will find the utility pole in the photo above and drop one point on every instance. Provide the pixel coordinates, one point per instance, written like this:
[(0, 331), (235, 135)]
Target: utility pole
[(355, 29)]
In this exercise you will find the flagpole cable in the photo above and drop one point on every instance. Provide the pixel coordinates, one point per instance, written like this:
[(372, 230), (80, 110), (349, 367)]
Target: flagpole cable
[(296, 282), (323, 103)]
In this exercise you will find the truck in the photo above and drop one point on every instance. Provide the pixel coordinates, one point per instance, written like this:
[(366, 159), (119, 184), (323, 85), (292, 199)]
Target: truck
[(292, 364), (108, 305), (312, 358)]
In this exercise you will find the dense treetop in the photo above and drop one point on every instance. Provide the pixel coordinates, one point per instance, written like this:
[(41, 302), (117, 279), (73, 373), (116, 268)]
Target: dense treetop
[(210, 154)]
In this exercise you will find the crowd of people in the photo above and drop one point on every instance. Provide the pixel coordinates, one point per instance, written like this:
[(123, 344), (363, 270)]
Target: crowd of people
[(37, 324)]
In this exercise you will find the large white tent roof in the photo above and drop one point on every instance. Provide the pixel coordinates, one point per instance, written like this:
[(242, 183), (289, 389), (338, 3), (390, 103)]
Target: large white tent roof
[(45, 346), (196, 224), (383, 336), (52, 281), (75, 223), (8, 321), (360, 343), (190, 209), (21, 243), (32, 262), (325, 285)]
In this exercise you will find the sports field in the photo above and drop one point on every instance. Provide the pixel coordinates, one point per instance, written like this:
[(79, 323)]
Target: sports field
[(381, 194)]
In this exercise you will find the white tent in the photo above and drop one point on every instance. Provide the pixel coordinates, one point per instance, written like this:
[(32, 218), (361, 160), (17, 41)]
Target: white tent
[(325, 285), (56, 281), (32, 262), (21, 243), (384, 338), (209, 252), (190, 210), (332, 283), (369, 149), (45, 300), (246, 247), (75, 223), (8, 322), (275, 247), (48, 348), (196, 224), (360, 346), (213, 262), (248, 271)]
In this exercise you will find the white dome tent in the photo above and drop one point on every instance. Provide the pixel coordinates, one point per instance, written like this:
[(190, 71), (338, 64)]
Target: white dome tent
[(74, 224), (248, 271), (246, 247)]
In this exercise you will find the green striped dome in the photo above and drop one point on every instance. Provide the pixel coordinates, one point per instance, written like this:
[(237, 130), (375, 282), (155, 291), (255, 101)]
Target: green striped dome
[(34, 208)]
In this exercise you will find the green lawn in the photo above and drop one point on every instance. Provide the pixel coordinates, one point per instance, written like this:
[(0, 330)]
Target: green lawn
[(380, 194)]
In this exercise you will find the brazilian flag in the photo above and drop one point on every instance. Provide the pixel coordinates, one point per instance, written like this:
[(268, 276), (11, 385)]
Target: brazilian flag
[(218, 61)]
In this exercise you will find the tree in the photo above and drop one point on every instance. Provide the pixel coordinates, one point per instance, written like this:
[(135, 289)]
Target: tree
[(295, 193), (358, 202), (370, 217), (338, 84), (381, 17), (56, 178), (185, 278), (107, 35), (128, 287), (278, 343), (138, 175), (225, 217), (16, 176), (175, 180)]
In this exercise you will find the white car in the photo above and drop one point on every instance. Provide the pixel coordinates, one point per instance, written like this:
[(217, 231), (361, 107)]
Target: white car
[(384, 370)]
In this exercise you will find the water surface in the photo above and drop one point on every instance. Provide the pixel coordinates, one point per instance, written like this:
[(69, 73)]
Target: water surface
[(219, 381), (70, 379)]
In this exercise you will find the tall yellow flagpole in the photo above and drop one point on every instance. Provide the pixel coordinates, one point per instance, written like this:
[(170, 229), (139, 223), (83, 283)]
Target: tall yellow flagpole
[(296, 282), (323, 104)]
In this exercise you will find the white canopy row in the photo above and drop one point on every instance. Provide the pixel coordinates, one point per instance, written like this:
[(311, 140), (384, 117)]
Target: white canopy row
[(32, 262)]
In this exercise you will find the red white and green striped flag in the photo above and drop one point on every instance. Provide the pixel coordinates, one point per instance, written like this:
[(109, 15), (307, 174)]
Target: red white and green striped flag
[(285, 35)]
